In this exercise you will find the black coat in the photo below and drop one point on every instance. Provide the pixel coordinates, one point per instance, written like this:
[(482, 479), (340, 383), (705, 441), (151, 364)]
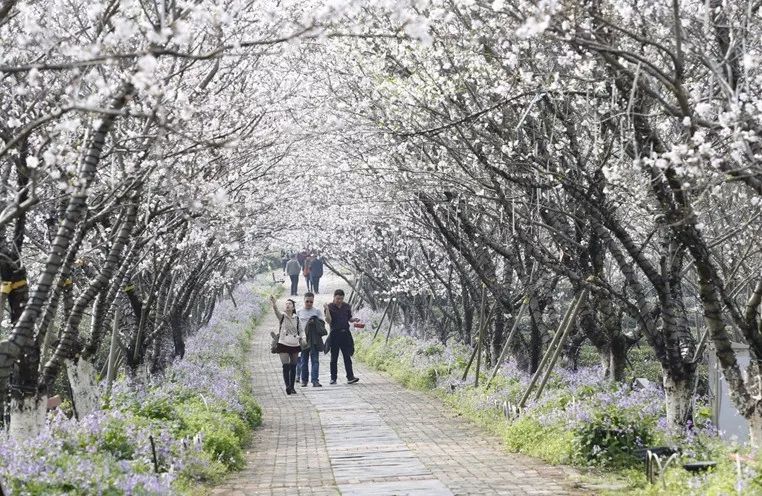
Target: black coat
[(316, 269)]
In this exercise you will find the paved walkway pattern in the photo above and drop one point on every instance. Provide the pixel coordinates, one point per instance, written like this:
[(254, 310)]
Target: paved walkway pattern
[(372, 438)]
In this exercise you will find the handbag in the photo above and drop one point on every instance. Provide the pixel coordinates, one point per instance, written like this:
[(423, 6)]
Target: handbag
[(274, 342)]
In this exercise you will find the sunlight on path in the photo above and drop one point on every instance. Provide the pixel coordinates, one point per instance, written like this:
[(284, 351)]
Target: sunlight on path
[(372, 438)]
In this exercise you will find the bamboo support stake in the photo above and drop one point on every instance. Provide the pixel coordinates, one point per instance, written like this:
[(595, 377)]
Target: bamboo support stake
[(545, 357), (515, 327), (353, 293), (153, 454), (391, 321), (560, 343), (111, 370), (479, 346), (481, 320), (468, 366), (383, 316)]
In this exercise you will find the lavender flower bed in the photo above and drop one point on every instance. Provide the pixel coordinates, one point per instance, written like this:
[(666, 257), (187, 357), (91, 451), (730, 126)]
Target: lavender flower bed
[(198, 413)]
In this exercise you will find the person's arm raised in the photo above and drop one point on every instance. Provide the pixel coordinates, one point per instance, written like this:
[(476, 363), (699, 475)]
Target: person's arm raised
[(275, 307)]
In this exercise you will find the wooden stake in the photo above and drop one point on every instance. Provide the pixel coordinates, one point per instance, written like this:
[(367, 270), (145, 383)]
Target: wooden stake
[(153, 452), (482, 329), (556, 337), (111, 362), (470, 361), (481, 321), (559, 345), (391, 321), (515, 327), (382, 319)]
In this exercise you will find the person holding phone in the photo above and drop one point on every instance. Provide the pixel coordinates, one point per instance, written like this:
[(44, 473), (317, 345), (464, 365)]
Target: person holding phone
[(290, 337), (339, 314)]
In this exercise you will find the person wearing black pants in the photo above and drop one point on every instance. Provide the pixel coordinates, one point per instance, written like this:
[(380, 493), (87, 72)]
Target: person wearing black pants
[(316, 272), (293, 269), (339, 314)]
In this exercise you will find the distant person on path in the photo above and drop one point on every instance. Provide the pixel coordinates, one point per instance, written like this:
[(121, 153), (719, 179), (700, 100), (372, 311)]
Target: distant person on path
[(312, 325), (306, 271), (339, 315), (301, 257), (316, 272), (289, 341), (293, 269), (283, 261)]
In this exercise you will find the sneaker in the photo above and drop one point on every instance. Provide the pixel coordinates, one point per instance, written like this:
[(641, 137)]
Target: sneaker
[(353, 380), (333, 381), (316, 384), (304, 383), (288, 391)]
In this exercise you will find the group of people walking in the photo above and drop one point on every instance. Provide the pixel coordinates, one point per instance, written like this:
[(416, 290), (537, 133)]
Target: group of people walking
[(299, 339), (307, 264)]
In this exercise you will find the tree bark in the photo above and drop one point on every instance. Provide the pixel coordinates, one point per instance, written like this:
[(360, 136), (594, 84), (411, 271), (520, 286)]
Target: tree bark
[(22, 337)]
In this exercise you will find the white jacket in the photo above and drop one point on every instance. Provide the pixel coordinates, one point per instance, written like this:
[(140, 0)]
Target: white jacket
[(289, 334)]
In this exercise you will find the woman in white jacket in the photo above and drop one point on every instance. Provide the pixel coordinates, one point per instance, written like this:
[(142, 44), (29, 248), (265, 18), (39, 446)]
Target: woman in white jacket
[(289, 339)]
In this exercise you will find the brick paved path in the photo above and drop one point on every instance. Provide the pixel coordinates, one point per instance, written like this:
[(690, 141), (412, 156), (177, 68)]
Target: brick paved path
[(372, 438)]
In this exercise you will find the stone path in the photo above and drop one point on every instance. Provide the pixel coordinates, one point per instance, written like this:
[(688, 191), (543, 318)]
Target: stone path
[(372, 438)]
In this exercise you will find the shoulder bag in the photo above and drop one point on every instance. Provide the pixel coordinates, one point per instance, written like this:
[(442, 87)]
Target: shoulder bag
[(274, 342)]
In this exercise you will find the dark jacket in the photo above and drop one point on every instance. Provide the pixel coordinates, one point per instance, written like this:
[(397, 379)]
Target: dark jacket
[(315, 330), (316, 269)]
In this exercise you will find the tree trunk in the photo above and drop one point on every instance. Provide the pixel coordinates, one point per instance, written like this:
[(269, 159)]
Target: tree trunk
[(617, 358), (27, 416), (70, 344), (22, 336), (85, 391), (755, 427), (678, 393)]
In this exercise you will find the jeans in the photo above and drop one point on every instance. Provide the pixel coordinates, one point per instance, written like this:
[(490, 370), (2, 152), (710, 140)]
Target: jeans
[(340, 342), (311, 355), (307, 281), (294, 284), (315, 283)]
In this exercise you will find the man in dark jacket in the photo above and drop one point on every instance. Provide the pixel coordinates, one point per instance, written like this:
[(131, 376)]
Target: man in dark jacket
[(316, 272), (339, 315)]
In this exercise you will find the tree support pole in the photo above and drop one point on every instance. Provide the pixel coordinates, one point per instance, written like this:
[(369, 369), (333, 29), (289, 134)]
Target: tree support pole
[(391, 322), (481, 321), (566, 322), (382, 319), (515, 327), (560, 343), (111, 371)]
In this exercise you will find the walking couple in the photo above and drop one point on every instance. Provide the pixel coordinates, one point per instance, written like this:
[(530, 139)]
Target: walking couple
[(302, 332), (308, 265)]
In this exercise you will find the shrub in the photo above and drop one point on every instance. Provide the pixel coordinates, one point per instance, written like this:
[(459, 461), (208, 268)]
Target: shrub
[(610, 439), (528, 435)]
